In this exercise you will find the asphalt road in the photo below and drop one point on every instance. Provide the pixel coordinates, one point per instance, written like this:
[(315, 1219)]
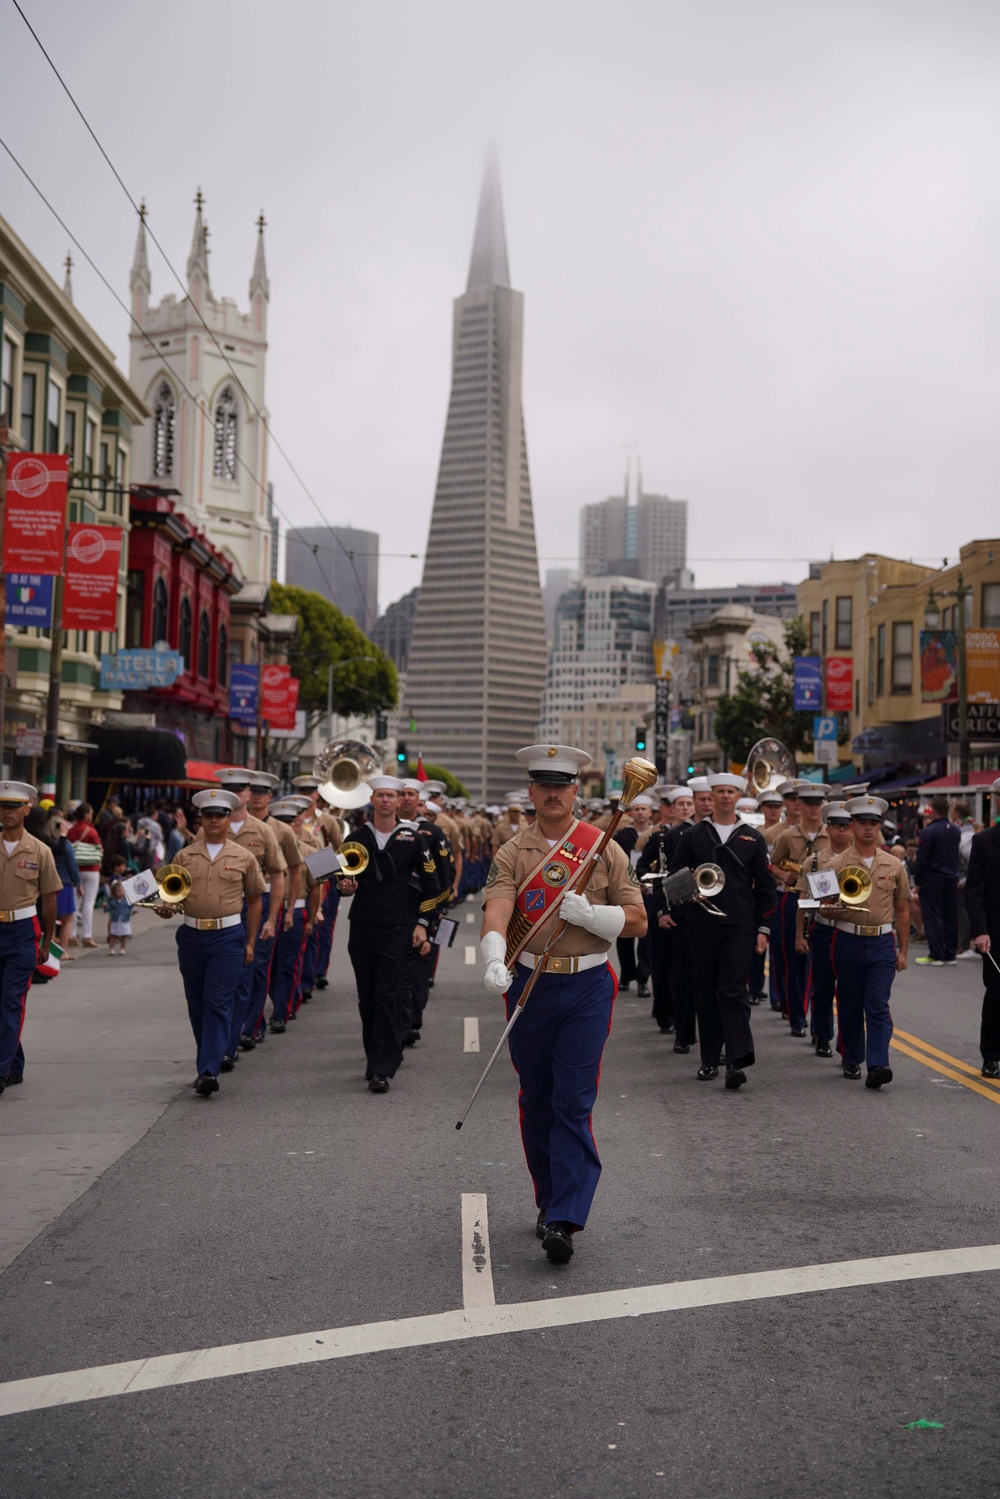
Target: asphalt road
[(295, 1202)]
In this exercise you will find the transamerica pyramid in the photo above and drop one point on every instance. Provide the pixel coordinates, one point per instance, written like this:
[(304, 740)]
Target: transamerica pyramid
[(476, 665)]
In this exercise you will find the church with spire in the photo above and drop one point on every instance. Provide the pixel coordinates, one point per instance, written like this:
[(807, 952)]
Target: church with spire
[(476, 665), (183, 353)]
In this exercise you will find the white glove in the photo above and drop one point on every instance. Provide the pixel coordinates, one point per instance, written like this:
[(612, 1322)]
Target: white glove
[(497, 979), (604, 921)]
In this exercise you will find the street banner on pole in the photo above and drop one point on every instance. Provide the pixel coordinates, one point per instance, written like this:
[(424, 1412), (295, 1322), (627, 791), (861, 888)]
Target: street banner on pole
[(243, 692), (661, 729), (939, 666), (29, 600), (279, 697), (34, 528), (807, 684), (93, 561), (982, 666), (839, 683)]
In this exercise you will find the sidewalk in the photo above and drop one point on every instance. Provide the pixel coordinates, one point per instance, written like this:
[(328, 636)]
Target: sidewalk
[(108, 1046)]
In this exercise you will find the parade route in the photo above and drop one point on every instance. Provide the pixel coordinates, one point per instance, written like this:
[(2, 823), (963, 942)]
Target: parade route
[(774, 1286)]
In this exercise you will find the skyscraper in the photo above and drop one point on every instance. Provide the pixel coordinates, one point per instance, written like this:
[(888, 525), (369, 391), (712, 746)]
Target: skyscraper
[(644, 539), (476, 666), (341, 564)]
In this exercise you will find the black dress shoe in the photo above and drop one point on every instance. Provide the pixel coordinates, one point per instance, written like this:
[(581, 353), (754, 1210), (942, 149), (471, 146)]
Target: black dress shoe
[(624, 988), (778, 1009), (824, 1049), (276, 1027), (322, 983), (643, 991), (851, 1072), (227, 1064), (760, 996), (681, 1051), (247, 1043), (260, 1036), (558, 1242), (411, 1038), (706, 1074), (540, 1224), (990, 1069), (754, 999), (12, 1082), (307, 995), (378, 1083), (798, 1031), (877, 1076), (3, 1083), (207, 1085), (735, 1078)]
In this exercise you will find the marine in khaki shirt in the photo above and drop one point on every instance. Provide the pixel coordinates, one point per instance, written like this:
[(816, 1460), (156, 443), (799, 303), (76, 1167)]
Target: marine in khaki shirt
[(507, 828), (796, 845), (613, 883), (27, 872), (890, 887), (219, 885)]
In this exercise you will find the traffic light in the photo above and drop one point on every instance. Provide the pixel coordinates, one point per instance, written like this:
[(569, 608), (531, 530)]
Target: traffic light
[(690, 770), (640, 739), (402, 758), (381, 726)]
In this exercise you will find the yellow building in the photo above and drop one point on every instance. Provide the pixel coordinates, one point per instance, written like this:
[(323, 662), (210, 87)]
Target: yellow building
[(871, 609)]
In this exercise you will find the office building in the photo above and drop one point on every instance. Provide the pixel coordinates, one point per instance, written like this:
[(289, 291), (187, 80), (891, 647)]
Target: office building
[(341, 564), (645, 539)]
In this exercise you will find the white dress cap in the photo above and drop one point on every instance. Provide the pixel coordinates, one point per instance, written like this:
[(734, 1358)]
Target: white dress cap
[(259, 778), (726, 778), (868, 806), (227, 800), (642, 800), (307, 782), (677, 792), (553, 762), (699, 783), (16, 793), (384, 783), (747, 804), (234, 775), (432, 806)]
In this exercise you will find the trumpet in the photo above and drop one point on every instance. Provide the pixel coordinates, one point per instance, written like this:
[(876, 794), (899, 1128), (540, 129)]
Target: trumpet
[(173, 884), (699, 884), (356, 856)]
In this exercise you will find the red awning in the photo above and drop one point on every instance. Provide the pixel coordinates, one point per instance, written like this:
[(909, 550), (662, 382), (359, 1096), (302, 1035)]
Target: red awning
[(203, 771), (953, 781)]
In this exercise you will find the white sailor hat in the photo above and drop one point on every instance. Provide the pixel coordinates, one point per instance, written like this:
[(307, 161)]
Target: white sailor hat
[(676, 792), (788, 788), (307, 782), (430, 787), (836, 812), (726, 778), (262, 780), (559, 764), (16, 793), (747, 804), (868, 806), (642, 800), (698, 783), (222, 801), (234, 775), (769, 799), (286, 809), (431, 807), (384, 783), (811, 791), (409, 783)]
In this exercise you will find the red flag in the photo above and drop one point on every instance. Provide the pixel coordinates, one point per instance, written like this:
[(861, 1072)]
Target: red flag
[(93, 560), (34, 531), (421, 772)]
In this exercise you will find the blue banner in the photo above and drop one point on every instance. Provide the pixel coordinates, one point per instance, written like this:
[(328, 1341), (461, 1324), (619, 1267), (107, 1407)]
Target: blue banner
[(29, 600), (136, 669), (808, 684), (243, 693)]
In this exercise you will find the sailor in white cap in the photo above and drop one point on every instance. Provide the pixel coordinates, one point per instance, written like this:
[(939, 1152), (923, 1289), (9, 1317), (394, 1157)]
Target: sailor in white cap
[(419, 964), (395, 897), (262, 800), (558, 1042), (866, 957), (982, 903), (701, 791), (800, 845), (215, 941), (720, 949), (27, 876)]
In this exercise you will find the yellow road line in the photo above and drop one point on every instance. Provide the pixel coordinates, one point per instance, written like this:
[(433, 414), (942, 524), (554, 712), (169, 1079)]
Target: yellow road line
[(976, 1085), (946, 1057)]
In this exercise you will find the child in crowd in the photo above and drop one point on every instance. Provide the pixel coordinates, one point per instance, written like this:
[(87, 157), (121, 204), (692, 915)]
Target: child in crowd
[(119, 911)]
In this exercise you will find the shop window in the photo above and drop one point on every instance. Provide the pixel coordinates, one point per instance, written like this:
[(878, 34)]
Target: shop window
[(184, 632), (160, 603)]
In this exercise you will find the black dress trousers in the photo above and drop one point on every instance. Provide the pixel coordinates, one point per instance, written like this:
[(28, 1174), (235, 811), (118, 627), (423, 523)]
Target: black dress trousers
[(378, 957), (720, 958)]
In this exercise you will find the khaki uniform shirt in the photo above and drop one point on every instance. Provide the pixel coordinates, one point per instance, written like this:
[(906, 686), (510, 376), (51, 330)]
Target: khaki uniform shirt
[(771, 834), (219, 885), (890, 883), (310, 841), (451, 832), (259, 838), (505, 831), (794, 844), (332, 828), (286, 841), (613, 883), (27, 873)]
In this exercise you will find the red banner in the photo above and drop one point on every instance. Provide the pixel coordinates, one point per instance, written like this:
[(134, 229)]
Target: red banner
[(839, 683), (93, 561), (34, 531), (279, 697)]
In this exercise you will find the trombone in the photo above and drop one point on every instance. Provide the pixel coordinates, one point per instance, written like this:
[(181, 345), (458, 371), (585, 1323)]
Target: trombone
[(353, 859)]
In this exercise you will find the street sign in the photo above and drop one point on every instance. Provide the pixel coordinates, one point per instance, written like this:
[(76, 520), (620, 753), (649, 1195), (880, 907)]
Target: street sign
[(825, 728), (982, 722), (30, 743), (825, 751)]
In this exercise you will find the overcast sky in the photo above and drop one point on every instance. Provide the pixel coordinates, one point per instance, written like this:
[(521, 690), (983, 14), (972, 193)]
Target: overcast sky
[(759, 240)]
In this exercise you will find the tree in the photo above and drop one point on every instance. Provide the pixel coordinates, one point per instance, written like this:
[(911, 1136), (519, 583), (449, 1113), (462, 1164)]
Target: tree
[(761, 706), (452, 785), (325, 638)]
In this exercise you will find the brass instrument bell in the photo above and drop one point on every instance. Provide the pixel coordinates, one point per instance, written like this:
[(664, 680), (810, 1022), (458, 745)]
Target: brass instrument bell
[(855, 885), (173, 886), (344, 766), (356, 856), (710, 879), (768, 764)]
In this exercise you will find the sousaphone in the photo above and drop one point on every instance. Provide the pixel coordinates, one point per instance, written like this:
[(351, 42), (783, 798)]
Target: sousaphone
[(768, 764), (344, 766)]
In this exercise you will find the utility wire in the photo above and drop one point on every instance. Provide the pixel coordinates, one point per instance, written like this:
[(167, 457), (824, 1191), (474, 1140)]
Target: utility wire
[(208, 329)]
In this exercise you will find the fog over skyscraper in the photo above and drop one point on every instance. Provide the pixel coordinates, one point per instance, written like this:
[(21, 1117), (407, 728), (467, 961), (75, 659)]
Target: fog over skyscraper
[(476, 665)]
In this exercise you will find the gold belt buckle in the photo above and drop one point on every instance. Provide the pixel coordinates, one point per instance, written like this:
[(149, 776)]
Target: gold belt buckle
[(559, 965), (210, 924), (6, 915)]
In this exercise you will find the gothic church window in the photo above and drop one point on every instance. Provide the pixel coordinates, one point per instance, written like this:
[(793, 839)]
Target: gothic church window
[(224, 463), (184, 632), (164, 432), (159, 611), (204, 645)]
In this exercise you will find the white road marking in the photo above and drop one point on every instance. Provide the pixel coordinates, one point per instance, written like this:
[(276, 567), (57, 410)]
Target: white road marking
[(477, 1273), (47, 1390), (470, 916), (471, 1033), (470, 956)]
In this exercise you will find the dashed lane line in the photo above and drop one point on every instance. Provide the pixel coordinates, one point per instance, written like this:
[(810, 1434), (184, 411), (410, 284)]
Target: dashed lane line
[(471, 1025), (470, 956), (477, 1272), (101, 1383)]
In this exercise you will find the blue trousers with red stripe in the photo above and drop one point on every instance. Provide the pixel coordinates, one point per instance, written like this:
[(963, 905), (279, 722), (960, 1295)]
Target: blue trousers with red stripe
[(251, 991), (329, 904), (556, 1047), (286, 969), (794, 966), (211, 965), (865, 968), (18, 955), (822, 983)]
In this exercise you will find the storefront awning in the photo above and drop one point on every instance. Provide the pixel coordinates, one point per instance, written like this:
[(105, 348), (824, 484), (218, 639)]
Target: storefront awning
[(136, 755), (203, 771)]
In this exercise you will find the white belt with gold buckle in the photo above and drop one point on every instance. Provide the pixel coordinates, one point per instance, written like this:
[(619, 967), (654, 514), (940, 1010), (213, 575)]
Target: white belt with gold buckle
[(212, 923), (863, 931), (300, 905), (22, 915), (564, 965)]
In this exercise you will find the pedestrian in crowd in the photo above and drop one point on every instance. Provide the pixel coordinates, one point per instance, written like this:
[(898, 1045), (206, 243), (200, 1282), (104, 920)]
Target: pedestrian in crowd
[(961, 816), (29, 887), (179, 835), (916, 917), (119, 912), (117, 846), (982, 899), (109, 814), (937, 883), (56, 828), (89, 856)]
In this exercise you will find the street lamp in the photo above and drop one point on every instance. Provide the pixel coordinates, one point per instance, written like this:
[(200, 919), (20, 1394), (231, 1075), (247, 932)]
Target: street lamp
[(932, 621), (336, 666)]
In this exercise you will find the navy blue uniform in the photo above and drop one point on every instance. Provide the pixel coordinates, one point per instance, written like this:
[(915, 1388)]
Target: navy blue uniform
[(936, 873)]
